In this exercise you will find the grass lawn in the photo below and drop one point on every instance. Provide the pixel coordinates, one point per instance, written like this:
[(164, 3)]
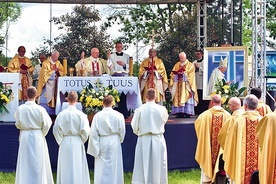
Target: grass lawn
[(175, 177)]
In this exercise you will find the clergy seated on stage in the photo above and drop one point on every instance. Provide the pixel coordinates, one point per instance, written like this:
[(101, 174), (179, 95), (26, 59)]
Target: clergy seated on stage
[(23, 65), (207, 127), (152, 74), (93, 65), (47, 82), (183, 88), (262, 108), (242, 153), (107, 134)]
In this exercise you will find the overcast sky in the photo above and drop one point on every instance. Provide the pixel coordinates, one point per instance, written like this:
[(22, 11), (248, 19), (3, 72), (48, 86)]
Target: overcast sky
[(34, 24)]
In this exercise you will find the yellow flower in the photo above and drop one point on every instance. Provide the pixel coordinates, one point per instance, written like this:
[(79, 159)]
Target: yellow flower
[(223, 99), (92, 97), (6, 95)]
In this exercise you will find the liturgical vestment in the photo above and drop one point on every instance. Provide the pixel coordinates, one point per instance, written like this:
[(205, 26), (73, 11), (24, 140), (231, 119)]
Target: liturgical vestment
[(150, 163), (266, 131), (214, 78), (92, 66), (183, 88), (71, 131), (263, 109), (107, 134), (47, 81), (226, 126), (207, 126), (149, 79), (33, 162), (242, 153), (14, 66)]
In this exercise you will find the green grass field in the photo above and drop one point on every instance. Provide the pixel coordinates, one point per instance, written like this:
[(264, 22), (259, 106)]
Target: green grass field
[(175, 177)]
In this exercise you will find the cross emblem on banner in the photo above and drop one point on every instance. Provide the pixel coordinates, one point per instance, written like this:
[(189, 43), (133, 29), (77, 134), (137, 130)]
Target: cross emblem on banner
[(152, 36)]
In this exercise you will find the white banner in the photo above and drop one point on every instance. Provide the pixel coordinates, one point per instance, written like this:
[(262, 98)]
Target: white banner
[(127, 85), (13, 80)]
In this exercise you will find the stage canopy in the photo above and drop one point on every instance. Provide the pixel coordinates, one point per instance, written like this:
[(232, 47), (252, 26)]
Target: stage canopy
[(105, 2)]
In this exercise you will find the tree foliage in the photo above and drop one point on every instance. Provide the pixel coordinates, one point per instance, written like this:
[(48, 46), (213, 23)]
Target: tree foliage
[(80, 33), (175, 25), (271, 21), (8, 12)]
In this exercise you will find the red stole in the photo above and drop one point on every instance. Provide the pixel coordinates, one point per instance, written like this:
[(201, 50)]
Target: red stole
[(24, 80), (151, 74), (95, 69), (215, 129)]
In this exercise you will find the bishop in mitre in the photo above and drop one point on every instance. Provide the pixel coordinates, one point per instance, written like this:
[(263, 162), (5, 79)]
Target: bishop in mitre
[(217, 74)]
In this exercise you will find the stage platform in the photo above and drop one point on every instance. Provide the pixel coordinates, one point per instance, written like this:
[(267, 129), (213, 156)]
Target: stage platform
[(179, 134)]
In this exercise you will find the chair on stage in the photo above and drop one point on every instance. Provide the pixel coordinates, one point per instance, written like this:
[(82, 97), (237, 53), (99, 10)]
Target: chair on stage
[(221, 177), (255, 177)]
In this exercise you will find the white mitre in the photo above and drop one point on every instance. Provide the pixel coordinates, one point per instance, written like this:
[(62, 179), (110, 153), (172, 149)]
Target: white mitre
[(224, 62)]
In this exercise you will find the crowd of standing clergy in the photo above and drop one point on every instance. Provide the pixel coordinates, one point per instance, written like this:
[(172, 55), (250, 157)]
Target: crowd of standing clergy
[(243, 140)]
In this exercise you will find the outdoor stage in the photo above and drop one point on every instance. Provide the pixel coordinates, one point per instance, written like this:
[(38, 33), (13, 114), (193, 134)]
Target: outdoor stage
[(179, 134)]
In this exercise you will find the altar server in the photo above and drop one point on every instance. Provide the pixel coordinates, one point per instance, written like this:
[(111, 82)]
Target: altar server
[(118, 63), (107, 134), (33, 163), (148, 123), (71, 131)]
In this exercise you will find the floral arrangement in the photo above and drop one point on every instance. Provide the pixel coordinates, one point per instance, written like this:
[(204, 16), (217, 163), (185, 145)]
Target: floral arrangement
[(91, 97), (227, 91), (6, 95)]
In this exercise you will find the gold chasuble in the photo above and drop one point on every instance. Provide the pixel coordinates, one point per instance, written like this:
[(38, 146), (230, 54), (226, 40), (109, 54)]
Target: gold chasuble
[(182, 89), (47, 70), (207, 126), (263, 109), (226, 126), (152, 74), (266, 131), (18, 63), (242, 153)]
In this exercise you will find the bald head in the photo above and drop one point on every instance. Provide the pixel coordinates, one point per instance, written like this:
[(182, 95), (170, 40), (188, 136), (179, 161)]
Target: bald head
[(216, 99), (55, 55), (95, 52), (182, 56), (234, 103)]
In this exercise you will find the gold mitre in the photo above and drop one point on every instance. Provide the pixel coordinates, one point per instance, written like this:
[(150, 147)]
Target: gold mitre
[(224, 62)]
